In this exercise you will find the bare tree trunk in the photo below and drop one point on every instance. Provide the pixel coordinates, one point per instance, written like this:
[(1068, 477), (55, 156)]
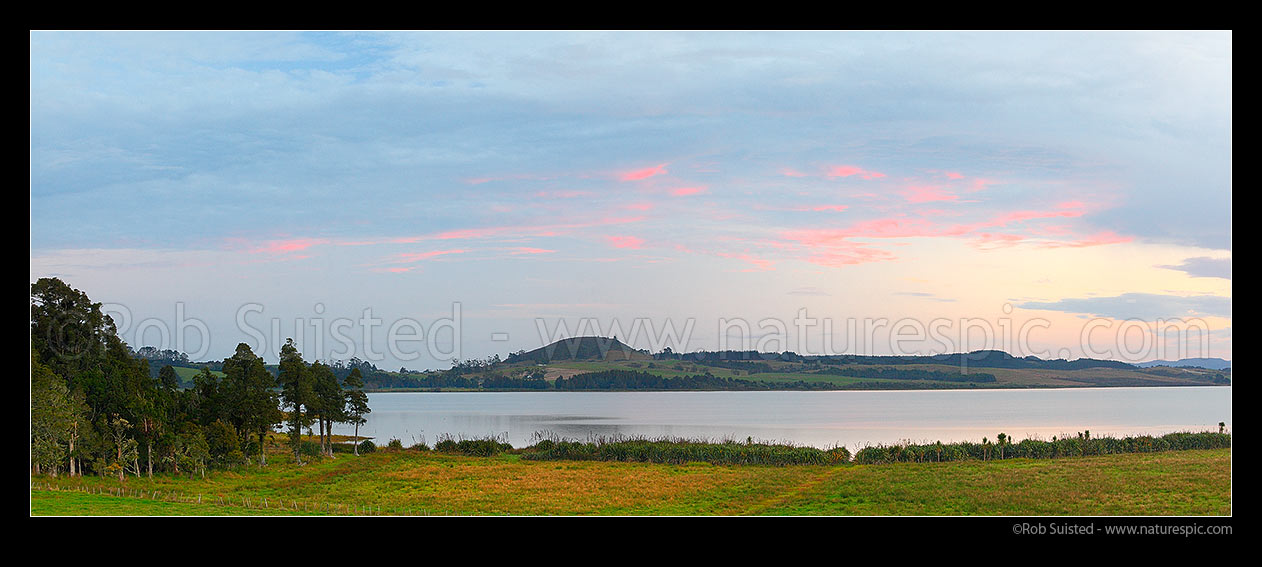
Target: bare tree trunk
[(356, 439), (324, 443), (150, 457), (71, 470)]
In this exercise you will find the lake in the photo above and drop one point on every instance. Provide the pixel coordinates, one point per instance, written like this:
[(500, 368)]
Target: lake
[(820, 419)]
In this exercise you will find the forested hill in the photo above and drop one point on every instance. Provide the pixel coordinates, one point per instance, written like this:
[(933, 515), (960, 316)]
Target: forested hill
[(978, 359), (581, 348), (373, 377)]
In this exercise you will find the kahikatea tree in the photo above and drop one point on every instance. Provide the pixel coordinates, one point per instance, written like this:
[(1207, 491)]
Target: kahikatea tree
[(72, 337), (257, 407), (328, 403), (356, 402), (55, 418), (295, 393)]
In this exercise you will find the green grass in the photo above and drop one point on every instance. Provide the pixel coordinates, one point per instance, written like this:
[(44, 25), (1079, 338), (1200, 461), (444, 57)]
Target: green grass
[(1194, 482), (186, 375), (62, 503)]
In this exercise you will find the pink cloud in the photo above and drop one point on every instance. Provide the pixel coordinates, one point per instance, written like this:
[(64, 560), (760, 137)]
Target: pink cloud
[(1018, 216), (979, 184), (287, 246), (410, 257), (625, 241), (760, 264), (685, 191), (954, 175), (1097, 239), (836, 246), (849, 170), (990, 241), (639, 206), (645, 173), (849, 257), (927, 194), (837, 208), (464, 233), (790, 172), (528, 250)]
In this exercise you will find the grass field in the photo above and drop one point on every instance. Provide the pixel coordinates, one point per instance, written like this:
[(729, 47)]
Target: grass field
[(1170, 483)]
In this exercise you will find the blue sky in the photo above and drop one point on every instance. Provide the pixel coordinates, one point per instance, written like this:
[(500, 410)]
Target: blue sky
[(623, 175)]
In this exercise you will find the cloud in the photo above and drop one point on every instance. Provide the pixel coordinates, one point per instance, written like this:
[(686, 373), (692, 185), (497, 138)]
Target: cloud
[(286, 246), (760, 264), (528, 250), (849, 170), (927, 194), (411, 257), (686, 191), (1097, 239), (1142, 306), (625, 241), (645, 173), (925, 295), (1204, 267)]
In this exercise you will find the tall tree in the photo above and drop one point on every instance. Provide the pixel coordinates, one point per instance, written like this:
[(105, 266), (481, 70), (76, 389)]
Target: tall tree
[(328, 403), (68, 331), (55, 416), (169, 379), (257, 404), (296, 394), (356, 402)]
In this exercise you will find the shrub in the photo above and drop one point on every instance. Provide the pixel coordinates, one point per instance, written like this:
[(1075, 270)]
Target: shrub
[(395, 445), (477, 447), (367, 446), (309, 449), (1082, 444), (445, 445), (679, 451)]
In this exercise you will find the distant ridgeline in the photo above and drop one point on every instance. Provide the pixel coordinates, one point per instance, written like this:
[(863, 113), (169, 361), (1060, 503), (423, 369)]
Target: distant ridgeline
[(669, 370), (374, 377), (980, 358)]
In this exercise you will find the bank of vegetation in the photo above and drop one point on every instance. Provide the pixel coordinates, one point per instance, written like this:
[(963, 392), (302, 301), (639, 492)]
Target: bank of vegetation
[(1079, 445), (679, 451)]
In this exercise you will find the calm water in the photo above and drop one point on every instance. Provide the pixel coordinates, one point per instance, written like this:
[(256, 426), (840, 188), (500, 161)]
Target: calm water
[(821, 419)]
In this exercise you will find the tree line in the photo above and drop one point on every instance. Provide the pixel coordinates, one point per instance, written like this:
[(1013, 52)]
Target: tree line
[(98, 409)]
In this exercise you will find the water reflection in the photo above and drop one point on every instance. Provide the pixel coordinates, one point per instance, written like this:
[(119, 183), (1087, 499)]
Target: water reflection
[(820, 419)]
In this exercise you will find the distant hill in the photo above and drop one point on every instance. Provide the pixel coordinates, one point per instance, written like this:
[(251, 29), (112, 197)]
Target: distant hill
[(1210, 363), (581, 348), (978, 359)]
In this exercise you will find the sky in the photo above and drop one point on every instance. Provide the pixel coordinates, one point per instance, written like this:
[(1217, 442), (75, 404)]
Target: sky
[(1058, 194)]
